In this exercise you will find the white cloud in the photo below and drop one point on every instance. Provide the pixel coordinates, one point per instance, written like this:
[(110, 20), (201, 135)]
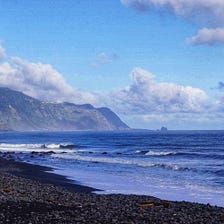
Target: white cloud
[(151, 104), (103, 58), (208, 36), (182, 7), (41, 81), (207, 13), (146, 95), (2, 53)]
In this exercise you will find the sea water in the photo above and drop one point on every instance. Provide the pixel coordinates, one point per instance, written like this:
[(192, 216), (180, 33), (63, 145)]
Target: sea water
[(172, 165)]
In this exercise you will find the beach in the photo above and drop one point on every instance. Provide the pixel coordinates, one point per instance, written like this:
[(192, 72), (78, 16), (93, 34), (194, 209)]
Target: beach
[(174, 165), (32, 194)]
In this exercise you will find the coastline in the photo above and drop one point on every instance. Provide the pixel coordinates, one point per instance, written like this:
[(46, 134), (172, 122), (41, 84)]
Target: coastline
[(42, 174), (30, 194)]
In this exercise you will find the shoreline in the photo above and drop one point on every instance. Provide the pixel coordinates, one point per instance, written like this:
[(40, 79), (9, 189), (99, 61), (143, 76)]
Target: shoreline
[(42, 174), (31, 194)]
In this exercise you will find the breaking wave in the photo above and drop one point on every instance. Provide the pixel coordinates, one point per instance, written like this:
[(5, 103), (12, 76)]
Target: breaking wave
[(59, 146), (120, 161), (154, 153), (62, 147)]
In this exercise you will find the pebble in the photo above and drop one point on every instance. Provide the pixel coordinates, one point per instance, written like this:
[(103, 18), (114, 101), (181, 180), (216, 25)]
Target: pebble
[(27, 201)]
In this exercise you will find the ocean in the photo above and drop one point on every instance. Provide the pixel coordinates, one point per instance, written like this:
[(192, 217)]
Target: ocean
[(172, 165)]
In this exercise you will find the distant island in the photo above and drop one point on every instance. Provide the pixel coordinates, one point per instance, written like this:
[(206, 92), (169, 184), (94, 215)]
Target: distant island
[(163, 129), (19, 112)]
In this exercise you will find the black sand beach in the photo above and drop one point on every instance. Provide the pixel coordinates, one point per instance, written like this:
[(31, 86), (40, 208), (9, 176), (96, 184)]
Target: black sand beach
[(29, 194)]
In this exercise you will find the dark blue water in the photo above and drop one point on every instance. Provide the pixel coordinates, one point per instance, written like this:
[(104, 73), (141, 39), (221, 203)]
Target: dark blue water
[(183, 165)]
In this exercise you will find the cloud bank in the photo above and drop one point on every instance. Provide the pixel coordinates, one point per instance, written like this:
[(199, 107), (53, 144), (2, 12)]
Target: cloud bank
[(149, 103), (143, 101), (146, 95), (143, 95), (41, 81), (208, 13)]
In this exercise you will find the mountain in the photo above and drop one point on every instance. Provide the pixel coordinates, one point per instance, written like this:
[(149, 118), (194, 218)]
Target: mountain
[(20, 112)]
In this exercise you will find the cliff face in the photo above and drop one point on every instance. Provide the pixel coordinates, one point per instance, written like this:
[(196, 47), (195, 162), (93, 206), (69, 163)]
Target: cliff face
[(20, 112)]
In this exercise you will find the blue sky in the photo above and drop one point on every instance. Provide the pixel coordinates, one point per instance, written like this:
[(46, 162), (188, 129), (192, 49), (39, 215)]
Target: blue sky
[(105, 52)]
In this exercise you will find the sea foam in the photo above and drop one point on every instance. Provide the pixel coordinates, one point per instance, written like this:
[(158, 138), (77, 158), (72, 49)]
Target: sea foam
[(56, 148)]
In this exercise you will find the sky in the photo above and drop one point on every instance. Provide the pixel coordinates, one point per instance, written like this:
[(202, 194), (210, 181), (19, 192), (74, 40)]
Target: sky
[(153, 62)]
